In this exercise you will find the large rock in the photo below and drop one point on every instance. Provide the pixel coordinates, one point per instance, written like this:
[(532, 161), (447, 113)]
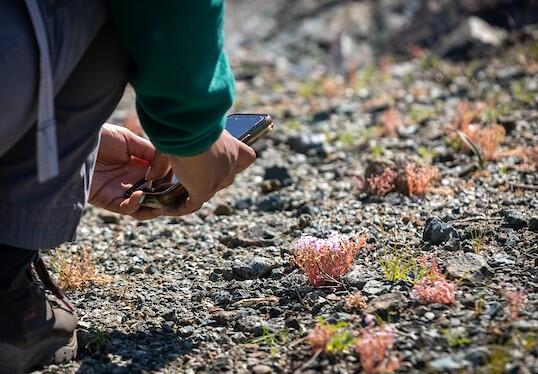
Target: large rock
[(470, 266), (472, 38)]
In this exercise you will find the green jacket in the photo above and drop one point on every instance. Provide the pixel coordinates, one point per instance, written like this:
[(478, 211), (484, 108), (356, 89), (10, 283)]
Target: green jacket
[(182, 78)]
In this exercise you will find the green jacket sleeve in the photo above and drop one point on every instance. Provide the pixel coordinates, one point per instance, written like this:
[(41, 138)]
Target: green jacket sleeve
[(182, 78)]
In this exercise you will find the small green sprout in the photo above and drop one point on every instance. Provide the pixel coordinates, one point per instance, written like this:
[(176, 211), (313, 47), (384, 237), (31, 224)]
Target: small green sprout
[(420, 113), (272, 339), (402, 265), (97, 342), (377, 150), (455, 338), (477, 240), (330, 337)]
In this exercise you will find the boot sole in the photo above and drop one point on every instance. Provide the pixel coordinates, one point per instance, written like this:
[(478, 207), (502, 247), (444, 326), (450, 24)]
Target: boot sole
[(52, 350)]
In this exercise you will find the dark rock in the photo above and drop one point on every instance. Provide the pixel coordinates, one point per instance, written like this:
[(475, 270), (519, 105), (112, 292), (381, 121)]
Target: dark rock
[(272, 202), (533, 224), (223, 210), (271, 185), (258, 267), (309, 144), (304, 221), (513, 219), (438, 231), (293, 323), (307, 209), (472, 38), (279, 173), (109, 217), (244, 203), (222, 297)]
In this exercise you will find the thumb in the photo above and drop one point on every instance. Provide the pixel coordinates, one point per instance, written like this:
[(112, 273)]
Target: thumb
[(159, 167)]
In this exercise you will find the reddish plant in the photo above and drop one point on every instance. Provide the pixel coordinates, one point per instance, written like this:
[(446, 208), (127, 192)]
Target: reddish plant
[(515, 299), (411, 179), (319, 337), (373, 346), (486, 138), (391, 121), (326, 260), (434, 288), (378, 185), (356, 301), (419, 178)]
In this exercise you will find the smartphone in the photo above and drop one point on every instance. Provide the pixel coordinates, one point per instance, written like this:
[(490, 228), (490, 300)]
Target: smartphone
[(248, 128)]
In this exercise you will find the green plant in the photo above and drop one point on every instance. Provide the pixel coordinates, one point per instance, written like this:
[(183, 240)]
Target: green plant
[(291, 125), (401, 264), (426, 153), (377, 150), (97, 341), (521, 92), (330, 337), (455, 337), (272, 339), (420, 113), (499, 357), (477, 239)]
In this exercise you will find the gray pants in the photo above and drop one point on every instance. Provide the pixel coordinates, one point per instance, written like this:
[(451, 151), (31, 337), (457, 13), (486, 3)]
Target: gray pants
[(89, 73)]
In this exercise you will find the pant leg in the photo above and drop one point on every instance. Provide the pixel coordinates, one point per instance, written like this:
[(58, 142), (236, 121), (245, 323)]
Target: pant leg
[(37, 215), (13, 260)]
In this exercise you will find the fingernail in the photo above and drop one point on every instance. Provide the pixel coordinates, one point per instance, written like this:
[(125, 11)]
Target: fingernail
[(148, 171)]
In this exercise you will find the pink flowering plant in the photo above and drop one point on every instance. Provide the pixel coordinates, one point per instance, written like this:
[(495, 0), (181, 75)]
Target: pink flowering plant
[(515, 300), (434, 288), (373, 347), (325, 260)]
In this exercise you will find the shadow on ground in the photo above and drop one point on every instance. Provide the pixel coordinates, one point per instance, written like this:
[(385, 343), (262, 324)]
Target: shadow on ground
[(119, 352)]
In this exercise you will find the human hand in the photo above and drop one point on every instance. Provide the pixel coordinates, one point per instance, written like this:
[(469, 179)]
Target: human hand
[(122, 160), (205, 174)]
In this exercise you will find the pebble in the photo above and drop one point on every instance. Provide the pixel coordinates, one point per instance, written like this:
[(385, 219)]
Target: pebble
[(223, 210), (261, 369), (438, 231), (533, 224), (513, 219), (257, 267)]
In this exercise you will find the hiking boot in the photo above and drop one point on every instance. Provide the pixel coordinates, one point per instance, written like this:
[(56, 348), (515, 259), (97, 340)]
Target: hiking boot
[(36, 327)]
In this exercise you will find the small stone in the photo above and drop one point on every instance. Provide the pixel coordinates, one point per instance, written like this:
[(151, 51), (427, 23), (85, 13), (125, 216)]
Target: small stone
[(271, 185), (357, 277), (308, 143), (278, 173), (373, 287), (386, 302), (449, 363), (533, 224), (223, 210), (513, 219), (293, 323), (110, 218), (271, 203), (261, 369), (438, 231), (258, 267), (304, 221), (430, 316), (244, 203)]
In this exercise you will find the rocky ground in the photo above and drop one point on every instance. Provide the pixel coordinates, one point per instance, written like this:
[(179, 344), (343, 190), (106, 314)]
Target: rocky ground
[(216, 291)]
